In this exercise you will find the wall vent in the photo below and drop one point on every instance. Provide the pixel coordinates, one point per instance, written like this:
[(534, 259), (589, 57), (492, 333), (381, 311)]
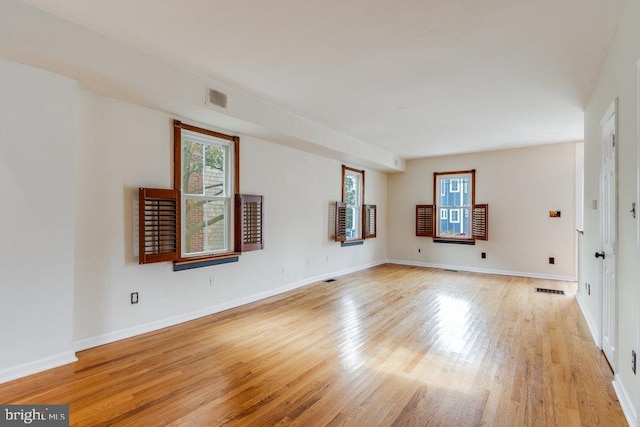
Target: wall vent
[(216, 98), (550, 291)]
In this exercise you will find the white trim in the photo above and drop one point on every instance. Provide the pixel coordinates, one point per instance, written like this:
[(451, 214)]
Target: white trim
[(625, 402), (34, 367), (606, 321), (485, 270), (181, 318), (638, 208), (595, 331), (610, 112)]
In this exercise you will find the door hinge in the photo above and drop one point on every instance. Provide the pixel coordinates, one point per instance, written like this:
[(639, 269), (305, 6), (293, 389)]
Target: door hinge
[(613, 139)]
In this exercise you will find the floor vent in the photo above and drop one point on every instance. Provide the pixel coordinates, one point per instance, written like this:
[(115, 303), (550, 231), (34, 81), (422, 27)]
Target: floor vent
[(550, 291), (451, 271), (329, 280)]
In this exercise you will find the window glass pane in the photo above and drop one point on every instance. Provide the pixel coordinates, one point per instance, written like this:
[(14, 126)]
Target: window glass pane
[(453, 205), (455, 223), (353, 183), (455, 191), (351, 189), (353, 222), (192, 168), (214, 173), (204, 226)]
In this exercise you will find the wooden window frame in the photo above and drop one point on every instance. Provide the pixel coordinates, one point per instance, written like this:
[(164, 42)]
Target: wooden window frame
[(246, 228), (426, 216), (458, 189), (234, 141), (368, 215), (360, 206)]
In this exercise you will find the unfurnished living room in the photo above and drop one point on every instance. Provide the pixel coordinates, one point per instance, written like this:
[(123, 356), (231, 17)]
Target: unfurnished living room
[(359, 213)]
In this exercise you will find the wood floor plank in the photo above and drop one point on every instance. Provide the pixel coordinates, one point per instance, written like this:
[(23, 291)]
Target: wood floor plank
[(391, 345)]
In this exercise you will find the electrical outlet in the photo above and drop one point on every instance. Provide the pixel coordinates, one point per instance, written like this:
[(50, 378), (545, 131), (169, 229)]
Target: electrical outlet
[(633, 361), (483, 255), (552, 260), (419, 250), (212, 281), (134, 297), (284, 270)]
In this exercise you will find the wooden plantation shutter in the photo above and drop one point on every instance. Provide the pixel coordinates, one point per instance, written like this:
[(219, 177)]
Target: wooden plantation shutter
[(480, 224), (341, 221), (369, 221), (249, 216), (159, 219), (424, 220)]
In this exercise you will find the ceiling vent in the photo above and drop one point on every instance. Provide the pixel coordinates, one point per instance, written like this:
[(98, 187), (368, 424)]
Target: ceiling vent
[(216, 98)]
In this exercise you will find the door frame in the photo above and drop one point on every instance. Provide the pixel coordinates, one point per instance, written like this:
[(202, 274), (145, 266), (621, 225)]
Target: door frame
[(612, 110), (637, 345)]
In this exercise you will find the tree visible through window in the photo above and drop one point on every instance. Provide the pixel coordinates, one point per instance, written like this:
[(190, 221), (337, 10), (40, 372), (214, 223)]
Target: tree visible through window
[(203, 220), (354, 220), (352, 195)]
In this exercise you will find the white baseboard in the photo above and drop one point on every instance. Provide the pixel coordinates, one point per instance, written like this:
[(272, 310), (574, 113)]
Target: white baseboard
[(36, 366), (595, 332), (626, 403), (485, 270), (181, 318)]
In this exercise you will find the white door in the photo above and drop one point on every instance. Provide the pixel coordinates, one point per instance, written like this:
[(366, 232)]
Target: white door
[(608, 198)]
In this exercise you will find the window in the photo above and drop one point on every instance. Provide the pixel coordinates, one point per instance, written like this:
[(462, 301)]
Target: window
[(206, 171), (457, 201), (352, 196), (355, 220), (202, 220), (454, 217)]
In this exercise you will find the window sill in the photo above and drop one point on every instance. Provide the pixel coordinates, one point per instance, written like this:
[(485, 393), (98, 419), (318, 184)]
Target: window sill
[(352, 243), (197, 262), (454, 241)]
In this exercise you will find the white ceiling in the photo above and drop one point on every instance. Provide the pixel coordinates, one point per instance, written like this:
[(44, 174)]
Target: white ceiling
[(415, 77)]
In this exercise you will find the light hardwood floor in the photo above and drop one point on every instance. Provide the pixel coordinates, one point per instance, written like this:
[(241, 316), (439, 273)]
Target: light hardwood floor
[(391, 345)]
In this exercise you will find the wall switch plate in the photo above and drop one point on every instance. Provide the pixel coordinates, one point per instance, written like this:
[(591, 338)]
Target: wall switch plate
[(483, 255), (134, 297), (552, 260)]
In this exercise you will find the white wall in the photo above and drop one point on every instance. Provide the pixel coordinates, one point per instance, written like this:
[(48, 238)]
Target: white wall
[(106, 66), (37, 165), (124, 146), (521, 186), (617, 80)]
